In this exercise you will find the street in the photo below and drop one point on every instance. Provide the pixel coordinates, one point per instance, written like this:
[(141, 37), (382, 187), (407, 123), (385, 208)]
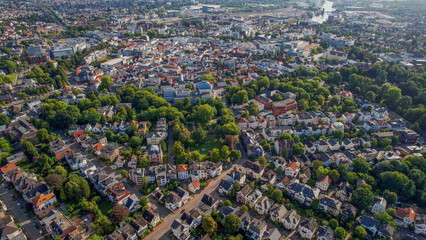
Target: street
[(26, 223)]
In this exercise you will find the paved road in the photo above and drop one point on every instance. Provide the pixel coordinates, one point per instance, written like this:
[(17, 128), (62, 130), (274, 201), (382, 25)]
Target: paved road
[(162, 230), (27, 224)]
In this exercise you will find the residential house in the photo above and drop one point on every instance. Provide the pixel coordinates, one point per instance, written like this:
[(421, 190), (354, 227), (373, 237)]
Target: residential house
[(155, 155), (291, 219), (180, 229), (236, 175), (255, 170), (152, 216), (242, 195), (278, 211), (323, 182), (385, 231), (379, 204), (307, 228), (253, 197), (194, 186), (154, 138), (330, 205), (263, 206), (256, 229), (184, 195), (212, 201), (58, 148), (139, 224), (183, 172), (420, 225), (58, 224), (406, 216), (132, 203), (303, 193), (225, 187), (173, 201), (110, 151), (325, 233), (43, 201), (370, 224), (292, 169)]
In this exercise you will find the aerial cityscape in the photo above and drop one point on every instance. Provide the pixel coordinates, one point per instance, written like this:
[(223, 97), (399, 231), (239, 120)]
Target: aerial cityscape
[(212, 119)]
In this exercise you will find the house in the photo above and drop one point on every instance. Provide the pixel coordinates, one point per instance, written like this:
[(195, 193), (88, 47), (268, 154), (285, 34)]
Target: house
[(132, 203), (183, 173), (243, 123), (347, 210), (9, 230), (307, 228), (242, 195), (152, 216), (154, 138), (287, 119), (333, 144), (256, 229), (133, 162), (406, 216), (155, 155), (184, 195), (283, 184), (370, 224), (180, 229), (303, 193), (291, 219), (323, 182), (110, 151), (325, 233), (210, 201), (379, 204), (58, 224), (385, 231), (126, 231), (263, 206), (277, 212), (330, 205), (253, 197), (343, 192), (236, 175), (245, 219), (268, 176), (194, 186), (173, 201), (321, 146), (43, 201), (255, 170), (58, 148), (139, 224), (192, 218), (292, 169), (225, 187), (420, 225)]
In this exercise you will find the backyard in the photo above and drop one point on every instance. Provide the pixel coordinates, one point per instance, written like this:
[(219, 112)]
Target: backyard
[(205, 148)]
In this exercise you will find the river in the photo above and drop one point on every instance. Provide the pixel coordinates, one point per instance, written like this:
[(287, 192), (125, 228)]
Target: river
[(327, 8)]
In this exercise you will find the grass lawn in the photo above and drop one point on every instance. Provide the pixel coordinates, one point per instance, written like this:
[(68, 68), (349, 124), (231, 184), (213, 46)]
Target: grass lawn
[(105, 207), (211, 142), (13, 77)]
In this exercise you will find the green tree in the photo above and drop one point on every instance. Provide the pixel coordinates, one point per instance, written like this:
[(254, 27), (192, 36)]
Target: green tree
[(204, 113), (277, 195), (360, 232), (106, 83), (77, 188), (209, 225), (55, 181), (338, 134), (178, 148), (232, 223), (235, 155), (262, 160), (244, 208), (29, 150), (362, 198), (43, 135), (4, 119), (333, 223), (334, 175), (383, 217), (298, 149), (360, 165), (340, 232), (224, 153), (390, 197), (124, 173)]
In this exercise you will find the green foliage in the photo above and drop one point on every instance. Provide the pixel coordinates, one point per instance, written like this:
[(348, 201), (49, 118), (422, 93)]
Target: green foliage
[(232, 223), (360, 232), (209, 225), (362, 198)]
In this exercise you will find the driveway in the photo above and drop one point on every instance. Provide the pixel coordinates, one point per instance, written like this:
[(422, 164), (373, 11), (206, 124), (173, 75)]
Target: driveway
[(27, 224)]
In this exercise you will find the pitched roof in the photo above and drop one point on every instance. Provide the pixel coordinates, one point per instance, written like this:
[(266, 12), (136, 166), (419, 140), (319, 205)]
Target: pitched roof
[(42, 198), (195, 183), (293, 166), (406, 213), (8, 167)]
